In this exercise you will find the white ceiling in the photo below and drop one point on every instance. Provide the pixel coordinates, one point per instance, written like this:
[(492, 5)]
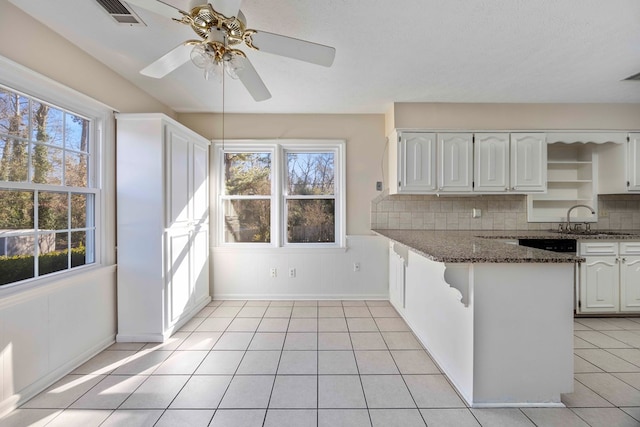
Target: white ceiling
[(549, 51)]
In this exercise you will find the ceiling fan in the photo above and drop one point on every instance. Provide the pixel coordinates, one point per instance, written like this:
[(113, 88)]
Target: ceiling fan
[(221, 27)]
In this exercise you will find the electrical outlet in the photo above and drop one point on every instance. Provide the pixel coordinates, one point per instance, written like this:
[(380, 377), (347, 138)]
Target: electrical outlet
[(603, 213), (476, 213), (379, 185), (274, 272), (292, 273), (356, 266)]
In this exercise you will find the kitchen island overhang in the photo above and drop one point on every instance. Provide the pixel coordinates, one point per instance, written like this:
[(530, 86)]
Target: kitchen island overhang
[(502, 332)]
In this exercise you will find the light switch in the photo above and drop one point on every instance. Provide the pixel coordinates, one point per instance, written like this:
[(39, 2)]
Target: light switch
[(476, 213)]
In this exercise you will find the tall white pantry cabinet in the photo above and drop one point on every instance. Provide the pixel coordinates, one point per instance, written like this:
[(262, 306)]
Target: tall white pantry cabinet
[(162, 226)]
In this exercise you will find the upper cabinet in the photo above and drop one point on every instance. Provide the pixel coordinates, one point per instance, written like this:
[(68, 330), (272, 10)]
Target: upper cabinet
[(455, 162), (491, 157), (416, 170), (447, 162), (619, 167), (528, 162)]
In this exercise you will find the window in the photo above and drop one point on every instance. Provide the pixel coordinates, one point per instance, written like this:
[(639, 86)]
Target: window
[(281, 194), (48, 196)]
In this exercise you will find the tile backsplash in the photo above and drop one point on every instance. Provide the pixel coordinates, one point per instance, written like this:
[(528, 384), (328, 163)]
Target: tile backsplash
[(499, 212)]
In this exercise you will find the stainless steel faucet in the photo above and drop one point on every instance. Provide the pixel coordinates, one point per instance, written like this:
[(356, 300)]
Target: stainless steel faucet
[(568, 224)]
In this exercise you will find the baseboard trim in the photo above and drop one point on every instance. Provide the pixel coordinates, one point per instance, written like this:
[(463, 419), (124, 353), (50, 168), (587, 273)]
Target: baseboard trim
[(15, 400), (302, 296)]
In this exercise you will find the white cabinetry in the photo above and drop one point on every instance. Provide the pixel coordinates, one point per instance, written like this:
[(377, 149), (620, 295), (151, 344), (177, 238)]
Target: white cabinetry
[(491, 160), (416, 165), (620, 166), (455, 162), (610, 277), (571, 180), (465, 163), (163, 226), (398, 255), (528, 162)]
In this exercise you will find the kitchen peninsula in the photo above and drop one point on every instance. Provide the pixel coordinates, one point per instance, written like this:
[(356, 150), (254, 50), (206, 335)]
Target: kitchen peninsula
[(496, 317)]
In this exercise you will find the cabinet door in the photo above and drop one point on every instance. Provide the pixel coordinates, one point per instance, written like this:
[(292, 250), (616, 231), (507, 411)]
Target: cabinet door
[(491, 153), (599, 285), (200, 173), (630, 283), (633, 165), (178, 272), (396, 279), (417, 162), (200, 263), (528, 162), (177, 169), (455, 162)]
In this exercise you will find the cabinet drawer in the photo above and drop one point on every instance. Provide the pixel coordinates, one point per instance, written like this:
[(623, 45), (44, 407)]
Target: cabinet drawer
[(629, 248), (599, 248)]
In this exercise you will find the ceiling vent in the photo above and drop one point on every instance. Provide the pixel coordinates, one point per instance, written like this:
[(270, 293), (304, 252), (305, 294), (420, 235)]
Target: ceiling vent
[(635, 77), (121, 12)]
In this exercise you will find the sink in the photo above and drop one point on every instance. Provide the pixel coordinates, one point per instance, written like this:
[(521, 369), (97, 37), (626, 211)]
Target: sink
[(593, 233)]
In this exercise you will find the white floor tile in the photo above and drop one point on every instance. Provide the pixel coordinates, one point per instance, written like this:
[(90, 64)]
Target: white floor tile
[(611, 388), (273, 325), (223, 311), (414, 362), (220, 363), (64, 392), (633, 379), (80, 418), (606, 361), (503, 417), (433, 391), (301, 341), (259, 363), (628, 337), (583, 397), (391, 324), (336, 363), (633, 411), (295, 391), (143, 362), (401, 341), (334, 341), (244, 324), (298, 363), (133, 418), (340, 391), (200, 341), (104, 363), (170, 344), (291, 418), (238, 418), (214, 324), (361, 324), (367, 341), (581, 366), (336, 311), (356, 312), (606, 417), (303, 311), (455, 418), (202, 392), (396, 418), (267, 341), (303, 325), (332, 324), (386, 391), (278, 312), (548, 417), (600, 340), (252, 311), (372, 362), (383, 312), (251, 391), (29, 417), (234, 341), (110, 392), (631, 355), (329, 303), (353, 303), (343, 418), (181, 363), (156, 392), (185, 417)]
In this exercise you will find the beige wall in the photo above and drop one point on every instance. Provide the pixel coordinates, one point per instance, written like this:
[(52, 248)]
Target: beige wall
[(514, 116), (364, 135), (33, 45)]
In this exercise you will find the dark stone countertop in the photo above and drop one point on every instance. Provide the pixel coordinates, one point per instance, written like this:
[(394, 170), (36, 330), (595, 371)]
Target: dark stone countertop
[(480, 246)]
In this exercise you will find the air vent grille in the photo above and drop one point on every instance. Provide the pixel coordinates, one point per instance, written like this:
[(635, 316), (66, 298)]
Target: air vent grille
[(120, 12), (635, 77)]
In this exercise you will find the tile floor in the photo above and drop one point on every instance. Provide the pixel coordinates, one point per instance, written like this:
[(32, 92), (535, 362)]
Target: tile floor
[(318, 363)]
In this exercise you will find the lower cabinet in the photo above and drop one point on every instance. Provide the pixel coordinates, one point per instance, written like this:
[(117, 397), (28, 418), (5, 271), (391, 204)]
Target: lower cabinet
[(610, 277), (397, 274)]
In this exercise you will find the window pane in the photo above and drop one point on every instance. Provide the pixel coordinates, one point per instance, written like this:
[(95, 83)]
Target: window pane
[(76, 134), (47, 124), (53, 253), (310, 173), (76, 169), (15, 268), (247, 221), (46, 165), (13, 160), (247, 174), (14, 114), (53, 211), (80, 214), (16, 210), (311, 221), (79, 248)]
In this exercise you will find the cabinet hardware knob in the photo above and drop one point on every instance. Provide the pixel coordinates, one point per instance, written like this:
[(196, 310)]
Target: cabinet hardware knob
[(624, 260)]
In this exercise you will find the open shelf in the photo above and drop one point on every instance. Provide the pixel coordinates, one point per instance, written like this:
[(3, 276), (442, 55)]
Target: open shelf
[(571, 180)]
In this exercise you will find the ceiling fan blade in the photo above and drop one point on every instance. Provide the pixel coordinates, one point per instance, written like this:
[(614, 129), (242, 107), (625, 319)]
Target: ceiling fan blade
[(252, 81), (169, 62), (294, 48), (156, 6), (228, 8)]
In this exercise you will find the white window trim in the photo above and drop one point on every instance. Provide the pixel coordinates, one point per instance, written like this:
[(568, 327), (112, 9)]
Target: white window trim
[(35, 85), (278, 148)]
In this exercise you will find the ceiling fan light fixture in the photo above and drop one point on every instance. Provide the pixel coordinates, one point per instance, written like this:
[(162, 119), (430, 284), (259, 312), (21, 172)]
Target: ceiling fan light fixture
[(200, 57), (233, 64)]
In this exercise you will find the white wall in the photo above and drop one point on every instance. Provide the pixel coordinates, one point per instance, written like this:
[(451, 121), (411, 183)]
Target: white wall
[(57, 322), (244, 273)]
